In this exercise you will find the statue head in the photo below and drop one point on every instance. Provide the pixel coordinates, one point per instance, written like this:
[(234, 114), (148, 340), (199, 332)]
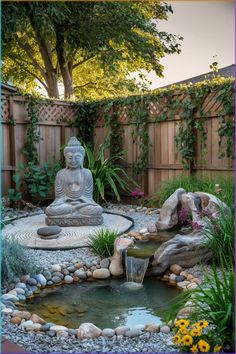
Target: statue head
[(74, 154)]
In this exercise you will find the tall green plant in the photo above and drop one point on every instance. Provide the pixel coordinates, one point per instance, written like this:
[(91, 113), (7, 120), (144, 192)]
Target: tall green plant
[(109, 177), (195, 184), (220, 234)]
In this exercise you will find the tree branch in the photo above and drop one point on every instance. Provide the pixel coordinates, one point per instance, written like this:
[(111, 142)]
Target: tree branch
[(29, 72), (28, 50), (84, 61)]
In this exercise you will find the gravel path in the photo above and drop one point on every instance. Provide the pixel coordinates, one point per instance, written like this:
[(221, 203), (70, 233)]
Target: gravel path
[(39, 343)]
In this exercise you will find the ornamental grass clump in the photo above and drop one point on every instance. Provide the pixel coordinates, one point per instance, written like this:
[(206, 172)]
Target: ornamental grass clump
[(102, 243), (15, 261), (194, 337)]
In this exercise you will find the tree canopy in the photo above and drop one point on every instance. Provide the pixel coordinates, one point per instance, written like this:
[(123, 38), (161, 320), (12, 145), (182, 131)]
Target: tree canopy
[(88, 46)]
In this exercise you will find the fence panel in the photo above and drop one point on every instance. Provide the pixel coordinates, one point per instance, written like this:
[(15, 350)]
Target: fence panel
[(163, 162)]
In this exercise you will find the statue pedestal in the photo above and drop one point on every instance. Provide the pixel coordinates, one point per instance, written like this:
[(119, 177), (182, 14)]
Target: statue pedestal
[(74, 221)]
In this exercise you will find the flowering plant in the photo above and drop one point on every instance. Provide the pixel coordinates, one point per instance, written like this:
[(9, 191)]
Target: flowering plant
[(138, 194), (191, 337)]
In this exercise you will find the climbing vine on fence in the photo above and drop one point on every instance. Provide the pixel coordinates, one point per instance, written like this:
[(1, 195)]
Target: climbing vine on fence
[(137, 110)]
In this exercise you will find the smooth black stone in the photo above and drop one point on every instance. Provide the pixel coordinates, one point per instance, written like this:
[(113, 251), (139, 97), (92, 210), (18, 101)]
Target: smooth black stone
[(49, 230)]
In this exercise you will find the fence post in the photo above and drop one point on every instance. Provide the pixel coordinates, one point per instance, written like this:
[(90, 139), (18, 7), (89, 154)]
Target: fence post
[(12, 132)]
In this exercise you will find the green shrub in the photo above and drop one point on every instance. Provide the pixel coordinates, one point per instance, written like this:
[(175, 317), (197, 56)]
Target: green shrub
[(195, 184), (102, 243), (213, 301), (220, 234), (34, 181), (15, 261), (109, 178)]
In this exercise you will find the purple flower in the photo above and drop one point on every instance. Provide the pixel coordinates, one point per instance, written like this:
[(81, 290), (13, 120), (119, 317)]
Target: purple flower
[(137, 193), (195, 225), (183, 215)]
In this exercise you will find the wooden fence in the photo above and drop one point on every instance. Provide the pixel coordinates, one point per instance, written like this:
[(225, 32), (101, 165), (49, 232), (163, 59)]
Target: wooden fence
[(163, 162)]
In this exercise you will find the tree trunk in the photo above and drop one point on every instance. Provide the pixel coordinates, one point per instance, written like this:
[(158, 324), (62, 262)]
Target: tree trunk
[(51, 76), (65, 68)]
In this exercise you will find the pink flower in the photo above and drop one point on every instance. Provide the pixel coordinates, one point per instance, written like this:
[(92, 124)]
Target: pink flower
[(134, 194)]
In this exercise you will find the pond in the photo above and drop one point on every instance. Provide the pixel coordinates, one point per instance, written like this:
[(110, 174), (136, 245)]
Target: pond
[(106, 303)]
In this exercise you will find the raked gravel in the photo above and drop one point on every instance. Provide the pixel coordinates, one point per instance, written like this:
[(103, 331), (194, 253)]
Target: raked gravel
[(42, 259), (39, 343)]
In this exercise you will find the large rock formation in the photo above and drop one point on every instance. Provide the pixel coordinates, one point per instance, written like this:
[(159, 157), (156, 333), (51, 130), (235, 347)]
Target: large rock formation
[(185, 250)]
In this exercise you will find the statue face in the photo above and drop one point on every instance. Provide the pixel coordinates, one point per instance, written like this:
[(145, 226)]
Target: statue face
[(74, 159)]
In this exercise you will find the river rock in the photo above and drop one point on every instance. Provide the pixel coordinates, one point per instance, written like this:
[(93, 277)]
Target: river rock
[(21, 285), (152, 328), (88, 330), (183, 284), (172, 277), (176, 269), (108, 332), (41, 279), (102, 273), (36, 319), (57, 328), (22, 297), (51, 333), (58, 274), (80, 273), (47, 275), (24, 278), (140, 327), (46, 327), (120, 331), (22, 314), (68, 279), (56, 268), (143, 231), (56, 279), (20, 291), (7, 311), (49, 230), (32, 281), (105, 263), (62, 334), (133, 332), (179, 278), (10, 297), (16, 320), (26, 324), (165, 329), (13, 292)]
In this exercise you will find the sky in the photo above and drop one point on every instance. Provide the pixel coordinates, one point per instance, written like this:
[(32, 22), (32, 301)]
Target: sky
[(208, 30)]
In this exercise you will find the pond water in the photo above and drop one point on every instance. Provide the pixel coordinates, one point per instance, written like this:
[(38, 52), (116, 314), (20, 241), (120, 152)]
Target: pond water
[(106, 303)]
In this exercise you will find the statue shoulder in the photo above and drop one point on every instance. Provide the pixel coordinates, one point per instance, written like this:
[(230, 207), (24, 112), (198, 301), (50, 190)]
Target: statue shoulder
[(61, 173), (87, 173)]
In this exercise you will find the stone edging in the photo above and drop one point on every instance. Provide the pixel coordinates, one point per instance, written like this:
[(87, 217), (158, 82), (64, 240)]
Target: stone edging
[(68, 273)]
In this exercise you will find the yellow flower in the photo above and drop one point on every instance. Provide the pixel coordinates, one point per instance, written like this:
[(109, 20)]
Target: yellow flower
[(217, 348), (177, 339), (187, 340), (182, 323), (202, 324), (183, 330), (203, 346), (194, 349), (196, 332)]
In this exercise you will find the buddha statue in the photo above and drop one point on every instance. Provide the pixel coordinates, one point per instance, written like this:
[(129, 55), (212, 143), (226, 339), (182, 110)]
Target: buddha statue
[(74, 204)]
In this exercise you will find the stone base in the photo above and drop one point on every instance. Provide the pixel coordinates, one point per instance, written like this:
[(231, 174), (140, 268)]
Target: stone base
[(74, 221)]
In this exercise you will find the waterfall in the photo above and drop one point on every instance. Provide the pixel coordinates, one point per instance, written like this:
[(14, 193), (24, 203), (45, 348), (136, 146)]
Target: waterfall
[(135, 268)]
